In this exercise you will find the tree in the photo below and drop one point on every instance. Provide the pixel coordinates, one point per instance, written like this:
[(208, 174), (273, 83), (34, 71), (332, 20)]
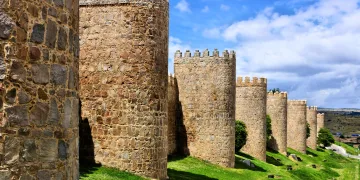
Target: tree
[(240, 135), (268, 127), (275, 90), (307, 130), (325, 137)]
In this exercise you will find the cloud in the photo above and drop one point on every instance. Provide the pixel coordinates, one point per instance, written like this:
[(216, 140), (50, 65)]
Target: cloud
[(313, 53), (183, 6), (174, 45), (213, 33), (224, 7), (205, 9)]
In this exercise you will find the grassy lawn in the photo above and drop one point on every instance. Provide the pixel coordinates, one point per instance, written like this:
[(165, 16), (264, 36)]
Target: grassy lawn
[(328, 166)]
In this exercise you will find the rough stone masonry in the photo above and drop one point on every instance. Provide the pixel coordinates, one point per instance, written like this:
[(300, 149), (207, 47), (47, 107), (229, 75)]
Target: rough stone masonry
[(251, 109), (39, 104), (124, 78), (296, 125), (173, 101), (311, 118), (276, 108), (207, 96), (320, 121)]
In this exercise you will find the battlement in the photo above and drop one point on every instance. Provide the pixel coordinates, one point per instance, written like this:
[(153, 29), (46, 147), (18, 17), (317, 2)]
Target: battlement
[(297, 102), (119, 2), (321, 114), (312, 108), (171, 80), (248, 82), (206, 53), (277, 94)]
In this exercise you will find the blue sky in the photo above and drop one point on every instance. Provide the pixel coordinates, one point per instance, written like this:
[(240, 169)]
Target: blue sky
[(309, 48)]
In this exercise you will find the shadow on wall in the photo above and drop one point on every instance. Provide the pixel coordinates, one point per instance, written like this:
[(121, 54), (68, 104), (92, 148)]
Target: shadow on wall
[(86, 143)]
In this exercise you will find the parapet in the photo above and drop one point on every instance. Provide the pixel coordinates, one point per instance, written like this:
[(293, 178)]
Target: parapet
[(277, 94), (171, 80), (115, 2), (321, 114), (312, 108), (247, 82), (205, 54), (297, 102)]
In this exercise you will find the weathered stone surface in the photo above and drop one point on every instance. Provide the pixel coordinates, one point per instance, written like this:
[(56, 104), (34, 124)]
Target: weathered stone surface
[(40, 73), (6, 25), (296, 125), (24, 131), (52, 11), (39, 114), (320, 121), (26, 177), (58, 74), (311, 119), (62, 150), (10, 96), (17, 115), (62, 40), (5, 174), (35, 53), (293, 157), (173, 102), (37, 35), (42, 95), (2, 69), (54, 115), (67, 113), (59, 3), (251, 109), (17, 71), (48, 150), (44, 175), (29, 150), (51, 31), (33, 10), (12, 150)]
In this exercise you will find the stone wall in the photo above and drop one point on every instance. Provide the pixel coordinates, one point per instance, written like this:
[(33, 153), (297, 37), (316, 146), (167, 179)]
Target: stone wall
[(207, 96), (173, 99), (311, 118), (296, 125), (276, 108), (251, 109), (320, 121), (124, 78), (39, 89)]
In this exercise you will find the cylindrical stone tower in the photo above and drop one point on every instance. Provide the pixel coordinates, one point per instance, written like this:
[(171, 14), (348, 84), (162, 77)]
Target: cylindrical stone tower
[(173, 99), (311, 118), (251, 109), (207, 96), (296, 125), (124, 78), (276, 108), (320, 121), (39, 111)]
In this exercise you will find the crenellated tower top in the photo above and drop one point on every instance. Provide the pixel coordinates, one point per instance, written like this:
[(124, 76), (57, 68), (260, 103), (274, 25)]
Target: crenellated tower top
[(297, 102), (278, 94), (312, 108), (114, 2), (187, 56), (248, 82)]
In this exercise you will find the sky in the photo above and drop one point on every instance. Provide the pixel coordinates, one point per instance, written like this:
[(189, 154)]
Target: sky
[(308, 48)]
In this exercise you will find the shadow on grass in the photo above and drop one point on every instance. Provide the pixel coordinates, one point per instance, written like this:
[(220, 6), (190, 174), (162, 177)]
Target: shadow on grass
[(174, 174), (320, 149), (311, 153), (239, 164), (85, 170), (173, 158), (245, 155), (273, 161)]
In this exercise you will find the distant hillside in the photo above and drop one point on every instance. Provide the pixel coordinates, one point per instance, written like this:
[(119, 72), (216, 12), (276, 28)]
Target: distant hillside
[(344, 120)]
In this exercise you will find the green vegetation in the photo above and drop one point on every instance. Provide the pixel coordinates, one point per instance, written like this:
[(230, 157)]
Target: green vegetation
[(328, 166), (307, 130), (325, 137), (275, 90), (268, 127), (240, 135), (103, 173), (349, 149)]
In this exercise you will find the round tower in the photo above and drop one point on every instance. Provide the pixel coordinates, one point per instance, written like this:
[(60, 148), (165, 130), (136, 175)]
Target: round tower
[(296, 125), (207, 96), (311, 118), (276, 108), (320, 121), (39, 105), (124, 78), (251, 109)]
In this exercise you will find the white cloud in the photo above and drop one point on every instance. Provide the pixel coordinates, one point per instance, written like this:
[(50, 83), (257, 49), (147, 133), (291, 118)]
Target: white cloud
[(205, 9), (183, 6), (174, 45), (224, 7), (313, 53)]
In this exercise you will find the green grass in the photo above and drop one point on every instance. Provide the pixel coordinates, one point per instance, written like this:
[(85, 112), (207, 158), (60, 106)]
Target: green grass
[(103, 173), (349, 149), (328, 166)]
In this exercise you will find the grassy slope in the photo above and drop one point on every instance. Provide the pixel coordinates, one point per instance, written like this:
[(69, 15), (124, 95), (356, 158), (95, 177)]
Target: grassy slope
[(191, 168)]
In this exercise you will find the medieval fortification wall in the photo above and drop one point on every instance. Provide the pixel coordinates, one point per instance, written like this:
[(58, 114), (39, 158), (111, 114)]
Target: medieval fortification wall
[(207, 96), (296, 125), (320, 121), (173, 100), (276, 108), (251, 109), (311, 118), (124, 78), (39, 89)]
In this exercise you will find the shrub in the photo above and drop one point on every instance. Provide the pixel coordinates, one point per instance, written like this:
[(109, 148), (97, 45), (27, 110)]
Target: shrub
[(275, 90), (240, 135), (268, 127), (325, 137), (307, 130)]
